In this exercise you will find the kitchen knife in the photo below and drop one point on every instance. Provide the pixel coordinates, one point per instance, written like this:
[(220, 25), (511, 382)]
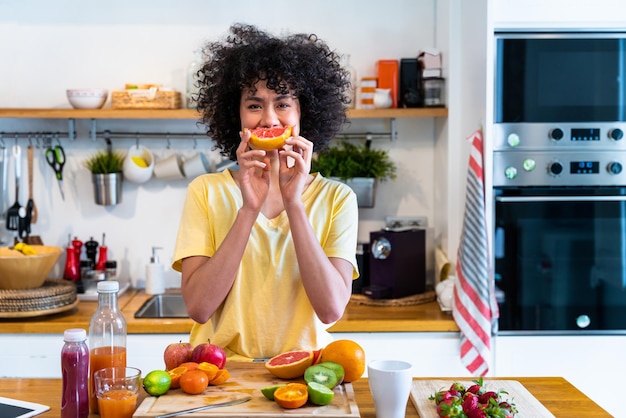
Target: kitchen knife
[(202, 408)]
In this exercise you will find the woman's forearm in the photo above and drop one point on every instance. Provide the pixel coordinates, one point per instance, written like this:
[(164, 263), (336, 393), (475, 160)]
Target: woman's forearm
[(206, 281)]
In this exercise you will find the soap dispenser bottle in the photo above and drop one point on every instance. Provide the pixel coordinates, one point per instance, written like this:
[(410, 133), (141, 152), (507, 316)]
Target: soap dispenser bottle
[(155, 280)]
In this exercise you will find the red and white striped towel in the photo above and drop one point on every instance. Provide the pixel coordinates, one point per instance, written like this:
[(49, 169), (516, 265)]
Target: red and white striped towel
[(475, 309)]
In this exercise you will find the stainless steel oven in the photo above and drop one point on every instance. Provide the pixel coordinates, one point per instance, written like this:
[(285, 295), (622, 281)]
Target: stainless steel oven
[(559, 182)]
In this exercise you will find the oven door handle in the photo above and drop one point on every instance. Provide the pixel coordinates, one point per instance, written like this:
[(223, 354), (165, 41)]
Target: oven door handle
[(519, 199)]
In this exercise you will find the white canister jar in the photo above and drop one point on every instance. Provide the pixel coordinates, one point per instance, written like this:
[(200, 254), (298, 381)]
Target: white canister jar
[(382, 98)]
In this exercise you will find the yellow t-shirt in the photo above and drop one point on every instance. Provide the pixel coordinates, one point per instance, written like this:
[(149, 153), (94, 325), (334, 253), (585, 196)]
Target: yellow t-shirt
[(267, 311)]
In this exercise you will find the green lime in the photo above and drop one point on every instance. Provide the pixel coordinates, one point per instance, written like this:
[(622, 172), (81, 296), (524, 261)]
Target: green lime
[(268, 391), (320, 394), (157, 382)]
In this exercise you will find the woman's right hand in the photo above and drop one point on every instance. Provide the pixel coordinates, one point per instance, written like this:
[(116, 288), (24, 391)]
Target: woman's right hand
[(254, 175)]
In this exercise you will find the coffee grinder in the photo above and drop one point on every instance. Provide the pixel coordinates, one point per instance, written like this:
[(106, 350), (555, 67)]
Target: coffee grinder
[(397, 263)]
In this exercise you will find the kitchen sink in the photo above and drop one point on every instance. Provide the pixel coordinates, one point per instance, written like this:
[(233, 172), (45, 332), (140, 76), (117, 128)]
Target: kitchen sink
[(163, 306)]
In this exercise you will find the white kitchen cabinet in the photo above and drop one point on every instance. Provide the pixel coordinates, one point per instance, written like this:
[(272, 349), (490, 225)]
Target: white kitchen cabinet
[(38, 355), (594, 364)]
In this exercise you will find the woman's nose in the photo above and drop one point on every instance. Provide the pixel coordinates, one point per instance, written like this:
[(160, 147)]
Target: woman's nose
[(269, 118)]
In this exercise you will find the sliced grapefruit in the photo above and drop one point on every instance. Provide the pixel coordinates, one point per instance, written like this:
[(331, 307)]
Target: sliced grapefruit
[(269, 139), (290, 365)]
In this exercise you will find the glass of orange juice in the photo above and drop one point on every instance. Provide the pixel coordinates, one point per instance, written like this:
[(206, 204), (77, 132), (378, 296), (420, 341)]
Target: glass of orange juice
[(117, 389)]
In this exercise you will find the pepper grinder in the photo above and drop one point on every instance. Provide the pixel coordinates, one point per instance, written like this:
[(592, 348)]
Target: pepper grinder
[(91, 248), (71, 266), (78, 245), (102, 256)]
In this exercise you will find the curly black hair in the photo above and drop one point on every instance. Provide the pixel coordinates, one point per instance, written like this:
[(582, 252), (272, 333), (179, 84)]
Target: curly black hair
[(300, 63)]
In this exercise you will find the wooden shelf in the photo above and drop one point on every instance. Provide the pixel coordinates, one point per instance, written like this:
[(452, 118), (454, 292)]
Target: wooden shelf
[(427, 112)]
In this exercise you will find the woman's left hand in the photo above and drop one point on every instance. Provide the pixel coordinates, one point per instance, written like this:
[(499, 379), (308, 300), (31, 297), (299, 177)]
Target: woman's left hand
[(295, 166)]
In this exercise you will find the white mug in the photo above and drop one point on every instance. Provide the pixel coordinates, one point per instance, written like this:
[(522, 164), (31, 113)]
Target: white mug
[(169, 168), (196, 165), (390, 384), (133, 168)]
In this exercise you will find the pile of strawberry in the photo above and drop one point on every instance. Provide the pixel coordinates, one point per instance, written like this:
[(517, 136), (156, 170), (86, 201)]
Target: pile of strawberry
[(474, 401)]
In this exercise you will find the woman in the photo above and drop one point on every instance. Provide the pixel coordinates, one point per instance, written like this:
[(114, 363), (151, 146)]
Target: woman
[(267, 252)]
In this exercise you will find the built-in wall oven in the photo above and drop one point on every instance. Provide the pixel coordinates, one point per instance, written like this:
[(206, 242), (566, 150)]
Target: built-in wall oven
[(559, 181)]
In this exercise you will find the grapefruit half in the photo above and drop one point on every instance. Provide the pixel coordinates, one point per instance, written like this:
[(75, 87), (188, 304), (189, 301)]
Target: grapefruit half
[(290, 365), (269, 139)]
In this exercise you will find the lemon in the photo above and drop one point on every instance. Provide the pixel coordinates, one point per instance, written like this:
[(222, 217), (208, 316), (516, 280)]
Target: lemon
[(157, 382), (139, 161), (319, 394)]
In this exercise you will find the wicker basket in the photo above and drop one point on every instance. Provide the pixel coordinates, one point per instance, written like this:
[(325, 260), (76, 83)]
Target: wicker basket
[(146, 99)]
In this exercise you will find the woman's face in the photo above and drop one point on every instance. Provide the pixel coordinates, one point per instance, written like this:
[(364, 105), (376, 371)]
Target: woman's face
[(264, 108)]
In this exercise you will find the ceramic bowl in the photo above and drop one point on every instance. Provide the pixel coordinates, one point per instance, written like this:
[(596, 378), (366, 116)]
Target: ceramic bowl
[(87, 98), (19, 271)]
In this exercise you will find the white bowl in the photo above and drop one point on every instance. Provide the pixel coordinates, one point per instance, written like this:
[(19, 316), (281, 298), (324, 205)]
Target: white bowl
[(87, 98)]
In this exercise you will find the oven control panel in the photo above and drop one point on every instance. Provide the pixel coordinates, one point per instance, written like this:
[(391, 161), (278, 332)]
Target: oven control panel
[(555, 136), (562, 168)]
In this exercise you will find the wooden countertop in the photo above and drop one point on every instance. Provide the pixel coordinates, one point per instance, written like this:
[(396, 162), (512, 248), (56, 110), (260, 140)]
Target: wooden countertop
[(425, 317), (555, 393)]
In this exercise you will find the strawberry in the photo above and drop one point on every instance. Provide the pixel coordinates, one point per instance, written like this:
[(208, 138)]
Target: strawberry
[(470, 402), (476, 413), (484, 398), (459, 387), (476, 389)]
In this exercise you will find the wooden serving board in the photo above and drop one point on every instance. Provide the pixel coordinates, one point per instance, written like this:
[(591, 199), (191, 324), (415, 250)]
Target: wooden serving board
[(527, 405), (247, 379)]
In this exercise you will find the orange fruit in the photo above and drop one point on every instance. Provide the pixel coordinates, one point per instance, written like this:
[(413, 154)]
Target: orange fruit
[(190, 365), (269, 139), (292, 395), (347, 353), (290, 365), (209, 369), (221, 376), (175, 374), (194, 382)]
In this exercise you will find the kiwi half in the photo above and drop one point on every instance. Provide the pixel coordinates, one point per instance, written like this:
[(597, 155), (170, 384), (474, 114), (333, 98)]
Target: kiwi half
[(335, 367), (322, 375)]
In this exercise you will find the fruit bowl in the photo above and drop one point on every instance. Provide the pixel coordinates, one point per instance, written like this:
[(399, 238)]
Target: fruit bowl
[(87, 98), (19, 271)]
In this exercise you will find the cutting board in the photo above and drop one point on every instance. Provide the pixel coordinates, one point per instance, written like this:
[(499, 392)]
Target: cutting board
[(247, 379), (527, 405)]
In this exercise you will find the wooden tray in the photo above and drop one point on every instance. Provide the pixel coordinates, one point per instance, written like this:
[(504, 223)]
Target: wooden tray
[(527, 405), (247, 379)]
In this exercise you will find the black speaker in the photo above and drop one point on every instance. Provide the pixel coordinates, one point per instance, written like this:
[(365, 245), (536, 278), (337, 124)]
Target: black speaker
[(410, 84)]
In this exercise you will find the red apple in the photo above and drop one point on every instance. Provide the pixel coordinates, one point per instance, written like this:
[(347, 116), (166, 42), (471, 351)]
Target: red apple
[(210, 353), (176, 354)]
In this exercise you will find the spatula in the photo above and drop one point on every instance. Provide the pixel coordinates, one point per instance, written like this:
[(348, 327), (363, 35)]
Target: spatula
[(13, 213), (31, 208)]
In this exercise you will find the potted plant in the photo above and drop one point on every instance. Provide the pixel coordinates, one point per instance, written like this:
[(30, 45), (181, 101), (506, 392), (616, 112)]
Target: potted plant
[(359, 166), (106, 175)]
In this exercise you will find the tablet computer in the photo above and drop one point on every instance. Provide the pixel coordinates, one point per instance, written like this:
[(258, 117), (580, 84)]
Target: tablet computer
[(12, 408)]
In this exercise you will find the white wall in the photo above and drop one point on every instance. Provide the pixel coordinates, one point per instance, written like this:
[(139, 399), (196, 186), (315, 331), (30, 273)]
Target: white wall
[(48, 47)]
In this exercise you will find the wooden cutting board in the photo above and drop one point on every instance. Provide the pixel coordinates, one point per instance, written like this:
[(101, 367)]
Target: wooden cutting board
[(527, 405), (247, 379)]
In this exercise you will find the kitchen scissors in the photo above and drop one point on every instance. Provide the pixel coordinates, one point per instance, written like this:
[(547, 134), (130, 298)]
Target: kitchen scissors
[(56, 159)]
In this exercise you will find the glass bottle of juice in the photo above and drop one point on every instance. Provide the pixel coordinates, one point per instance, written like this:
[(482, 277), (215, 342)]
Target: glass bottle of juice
[(75, 373), (107, 336)]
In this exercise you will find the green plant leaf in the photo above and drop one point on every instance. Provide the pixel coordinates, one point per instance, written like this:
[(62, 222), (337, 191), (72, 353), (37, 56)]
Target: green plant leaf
[(349, 160), (105, 162)]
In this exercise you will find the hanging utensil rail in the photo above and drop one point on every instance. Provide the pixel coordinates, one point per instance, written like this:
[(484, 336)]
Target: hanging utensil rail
[(108, 135)]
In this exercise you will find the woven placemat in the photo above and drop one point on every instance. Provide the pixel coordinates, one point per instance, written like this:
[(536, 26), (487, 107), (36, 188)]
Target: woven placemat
[(52, 294), (418, 299)]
